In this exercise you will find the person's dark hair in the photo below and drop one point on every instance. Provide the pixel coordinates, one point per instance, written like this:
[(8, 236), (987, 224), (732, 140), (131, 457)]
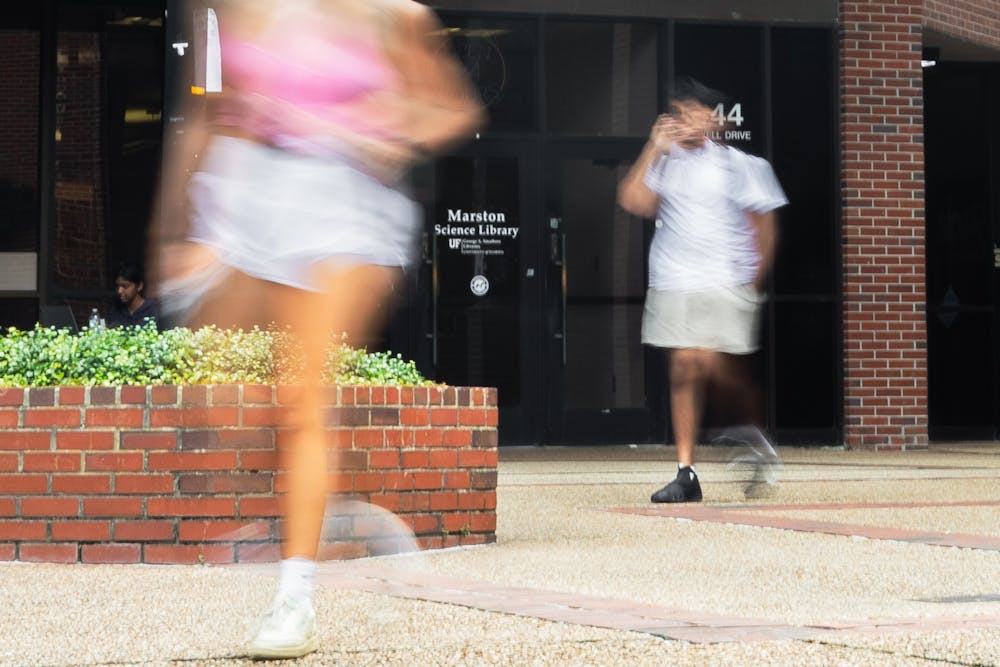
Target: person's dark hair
[(688, 89), (131, 272)]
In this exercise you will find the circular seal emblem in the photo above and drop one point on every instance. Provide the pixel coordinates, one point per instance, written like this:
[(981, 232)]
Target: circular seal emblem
[(479, 285)]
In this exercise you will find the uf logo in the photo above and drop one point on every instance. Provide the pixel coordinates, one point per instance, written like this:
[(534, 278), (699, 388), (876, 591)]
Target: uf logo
[(454, 244)]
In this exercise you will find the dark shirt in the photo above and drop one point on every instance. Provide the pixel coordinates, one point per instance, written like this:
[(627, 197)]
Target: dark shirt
[(150, 309)]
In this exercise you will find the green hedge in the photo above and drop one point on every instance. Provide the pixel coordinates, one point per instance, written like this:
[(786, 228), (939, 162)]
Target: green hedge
[(47, 356)]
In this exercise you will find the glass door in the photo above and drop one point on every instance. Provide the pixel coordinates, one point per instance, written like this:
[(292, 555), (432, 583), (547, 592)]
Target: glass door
[(484, 282), (602, 386), (963, 251)]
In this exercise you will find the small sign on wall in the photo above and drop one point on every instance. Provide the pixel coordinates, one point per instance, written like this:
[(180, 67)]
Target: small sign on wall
[(18, 271)]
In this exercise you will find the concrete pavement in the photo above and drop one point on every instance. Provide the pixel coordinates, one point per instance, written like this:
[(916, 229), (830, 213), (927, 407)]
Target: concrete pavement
[(856, 558)]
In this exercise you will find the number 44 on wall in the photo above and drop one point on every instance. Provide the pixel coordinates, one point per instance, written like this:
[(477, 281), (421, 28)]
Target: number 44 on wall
[(735, 114)]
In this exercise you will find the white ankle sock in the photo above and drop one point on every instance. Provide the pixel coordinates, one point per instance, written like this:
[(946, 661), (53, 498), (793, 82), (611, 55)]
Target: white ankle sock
[(296, 577)]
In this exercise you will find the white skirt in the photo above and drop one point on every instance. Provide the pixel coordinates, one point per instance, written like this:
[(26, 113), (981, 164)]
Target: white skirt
[(274, 215), (726, 319)]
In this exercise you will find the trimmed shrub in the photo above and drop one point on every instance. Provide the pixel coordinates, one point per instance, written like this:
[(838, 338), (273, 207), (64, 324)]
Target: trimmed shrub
[(47, 356)]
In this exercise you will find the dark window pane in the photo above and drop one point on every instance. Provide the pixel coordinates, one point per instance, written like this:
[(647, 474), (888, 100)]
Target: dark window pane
[(500, 56), (600, 77), (730, 59), (960, 376), (805, 353), (19, 55), (605, 261), (804, 146), (20, 313)]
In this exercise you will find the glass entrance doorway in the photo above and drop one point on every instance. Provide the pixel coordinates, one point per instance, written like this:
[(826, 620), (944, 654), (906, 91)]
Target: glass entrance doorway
[(963, 250), (536, 282)]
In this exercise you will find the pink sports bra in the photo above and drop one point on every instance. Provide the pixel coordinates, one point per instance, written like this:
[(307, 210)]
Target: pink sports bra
[(293, 88)]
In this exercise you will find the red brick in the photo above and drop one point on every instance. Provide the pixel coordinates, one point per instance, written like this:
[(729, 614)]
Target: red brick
[(432, 437), (225, 531), (130, 461), (368, 437), (225, 483), (221, 460), (477, 500), (363, 482), (149, 440), (472, 417), (482, 522), (22, 530), (255, 393), (71, 395), (194, 394), (265, 506), (262, 416), (143, 483), (225, 394), (41, 396), (85, 440), (426, 480), (221, 507), (48, 553), (398, 481), (50, 507), (22, 483), (377, 458), (38, 462), (120, 417), (421, 524), (228, 439), (25, 440), (8, 463), (164, 394), (259, 460), (112, 506), (195, 417), (415, 459), (457, 480), (443, 501), (259, 553), (131, 395), (9, 418), (144, 531), (444, 417), (111, 553), (81, 531), (8, 552), (477, 458), (11, 396), (443, 458), (188, 554), (8, 507), (82, 484), (414, 416), (400, 437)]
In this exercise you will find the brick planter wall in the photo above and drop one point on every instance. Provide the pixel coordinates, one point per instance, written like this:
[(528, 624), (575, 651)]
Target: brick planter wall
[(169, 474)]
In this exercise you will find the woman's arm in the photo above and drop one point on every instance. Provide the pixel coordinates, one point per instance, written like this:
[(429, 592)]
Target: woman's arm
[(442, 107)]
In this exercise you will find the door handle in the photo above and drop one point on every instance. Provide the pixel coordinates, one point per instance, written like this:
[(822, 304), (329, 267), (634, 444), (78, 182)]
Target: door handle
[(557, 255)]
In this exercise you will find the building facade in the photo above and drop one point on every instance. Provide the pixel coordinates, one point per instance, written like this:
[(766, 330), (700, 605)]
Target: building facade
[(883, 319)]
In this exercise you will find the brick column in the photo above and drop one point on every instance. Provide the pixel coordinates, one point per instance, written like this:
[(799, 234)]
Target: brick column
[(885, 333)]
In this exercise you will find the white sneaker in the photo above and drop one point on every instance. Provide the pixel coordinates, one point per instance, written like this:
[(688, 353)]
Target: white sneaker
[(287, 630)]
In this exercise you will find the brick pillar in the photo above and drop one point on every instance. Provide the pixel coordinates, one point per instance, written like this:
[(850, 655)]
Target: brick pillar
[(885, 333)]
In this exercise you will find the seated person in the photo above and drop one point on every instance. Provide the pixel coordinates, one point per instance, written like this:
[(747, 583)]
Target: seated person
[(135, 309)]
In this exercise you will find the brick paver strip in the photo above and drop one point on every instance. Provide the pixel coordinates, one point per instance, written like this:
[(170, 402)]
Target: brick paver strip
[(755, 515), (614, 614)]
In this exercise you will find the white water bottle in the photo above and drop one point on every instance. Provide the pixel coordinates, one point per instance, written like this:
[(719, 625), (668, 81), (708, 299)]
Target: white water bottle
[(95, 320)]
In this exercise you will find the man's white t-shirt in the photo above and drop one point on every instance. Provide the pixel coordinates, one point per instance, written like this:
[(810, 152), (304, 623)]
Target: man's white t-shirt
[(704, 238)]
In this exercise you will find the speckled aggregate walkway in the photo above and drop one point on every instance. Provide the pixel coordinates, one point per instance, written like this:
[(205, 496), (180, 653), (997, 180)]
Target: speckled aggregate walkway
[(856, 558)]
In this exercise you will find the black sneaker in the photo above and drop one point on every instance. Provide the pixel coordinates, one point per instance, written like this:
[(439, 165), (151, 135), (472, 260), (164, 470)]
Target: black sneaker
[(684, 489)]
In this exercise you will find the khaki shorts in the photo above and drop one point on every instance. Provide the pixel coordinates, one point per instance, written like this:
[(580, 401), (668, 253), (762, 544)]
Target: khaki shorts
[(726, 319)]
